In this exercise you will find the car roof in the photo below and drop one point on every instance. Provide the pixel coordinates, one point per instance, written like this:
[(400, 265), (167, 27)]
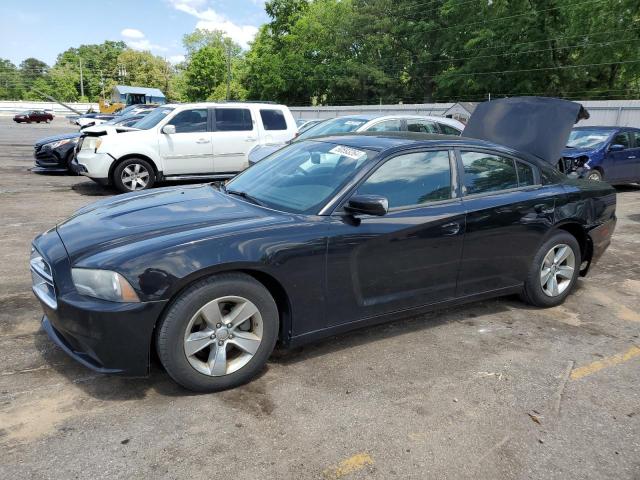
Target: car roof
[(224, 104), (603, 127), (383, 141)]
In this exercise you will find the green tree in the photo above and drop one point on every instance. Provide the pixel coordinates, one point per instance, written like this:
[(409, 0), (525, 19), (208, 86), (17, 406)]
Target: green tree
[(210, 55), (32, 69), (144, 69), (11, 86)]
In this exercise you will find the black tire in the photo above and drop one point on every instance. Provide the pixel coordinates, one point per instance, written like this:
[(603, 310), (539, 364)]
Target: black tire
[(533, 292), (595, 175), (117, 178), (170, 334)]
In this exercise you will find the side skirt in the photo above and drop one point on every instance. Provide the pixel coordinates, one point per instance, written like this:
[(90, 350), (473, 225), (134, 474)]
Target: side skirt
[(397, 315)]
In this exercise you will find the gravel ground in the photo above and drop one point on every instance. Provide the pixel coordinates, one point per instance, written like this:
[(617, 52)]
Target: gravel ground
[(491, 390)]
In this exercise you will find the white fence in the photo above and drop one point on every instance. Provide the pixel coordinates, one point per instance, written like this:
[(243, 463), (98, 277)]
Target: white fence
[(608, 112), (13, 107)]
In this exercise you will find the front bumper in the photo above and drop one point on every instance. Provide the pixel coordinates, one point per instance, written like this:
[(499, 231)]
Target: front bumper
[(49, 161), (94, 165), (107, 337)]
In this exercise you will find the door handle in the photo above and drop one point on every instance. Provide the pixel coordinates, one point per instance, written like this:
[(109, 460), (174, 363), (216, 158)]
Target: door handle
[(451, 228), (203, 140), (631, 156)]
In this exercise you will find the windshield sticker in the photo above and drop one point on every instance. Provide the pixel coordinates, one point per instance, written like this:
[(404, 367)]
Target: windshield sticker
[(353, 122), (347, 152)]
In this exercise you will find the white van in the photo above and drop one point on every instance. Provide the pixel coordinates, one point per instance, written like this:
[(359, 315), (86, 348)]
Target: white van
[(183, 142)]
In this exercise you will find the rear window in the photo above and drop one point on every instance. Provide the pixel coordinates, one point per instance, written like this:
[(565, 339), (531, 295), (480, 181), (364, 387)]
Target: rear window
[(233, 120), (273, 119)]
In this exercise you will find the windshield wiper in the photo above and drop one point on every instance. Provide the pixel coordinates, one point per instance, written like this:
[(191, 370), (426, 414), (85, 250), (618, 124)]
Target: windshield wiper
[(244, 195)]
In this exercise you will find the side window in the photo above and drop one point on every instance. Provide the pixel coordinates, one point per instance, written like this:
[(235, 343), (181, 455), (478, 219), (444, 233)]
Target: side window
[(447, 130), (486, 172), (421, 126), (386, 126), (636, 136), (273, 119), (623, 139), (233, 120), (190, 121), (525, 174), (411, 179)]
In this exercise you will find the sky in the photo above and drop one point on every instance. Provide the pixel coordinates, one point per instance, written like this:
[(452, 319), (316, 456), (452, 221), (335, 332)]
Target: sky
[(45, 28)]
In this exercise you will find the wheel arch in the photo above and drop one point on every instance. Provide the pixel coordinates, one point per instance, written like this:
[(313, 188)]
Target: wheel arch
[(578, 231), (268, 281), (141, 156)]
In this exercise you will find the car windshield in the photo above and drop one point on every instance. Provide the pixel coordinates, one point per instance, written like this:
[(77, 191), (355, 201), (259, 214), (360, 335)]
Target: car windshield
[(587, 138), (333, 126), (301, 177), (153, 118)]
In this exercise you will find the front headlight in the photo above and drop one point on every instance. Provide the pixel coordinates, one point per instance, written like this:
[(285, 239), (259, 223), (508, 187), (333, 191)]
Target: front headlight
[(103, 284), (59, 143)]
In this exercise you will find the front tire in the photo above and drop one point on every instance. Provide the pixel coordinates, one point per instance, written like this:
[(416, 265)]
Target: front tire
[(133, 174), (554, 271), (219, 333), (595, 175)]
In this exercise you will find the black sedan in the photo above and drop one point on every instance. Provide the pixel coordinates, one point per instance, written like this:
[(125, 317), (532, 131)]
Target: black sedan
[(323, 237), (54, 154)]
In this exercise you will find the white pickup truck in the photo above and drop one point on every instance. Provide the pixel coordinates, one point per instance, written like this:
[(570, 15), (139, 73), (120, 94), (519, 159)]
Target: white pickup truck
[(186, 141)]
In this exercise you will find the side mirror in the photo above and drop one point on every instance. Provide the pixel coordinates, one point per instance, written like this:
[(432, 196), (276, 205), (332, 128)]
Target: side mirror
[(368, 205), (169, 129), (616, 147)]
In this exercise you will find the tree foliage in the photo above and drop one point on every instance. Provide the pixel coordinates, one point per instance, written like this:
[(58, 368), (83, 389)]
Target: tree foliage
[(370, 51), (374, 51)]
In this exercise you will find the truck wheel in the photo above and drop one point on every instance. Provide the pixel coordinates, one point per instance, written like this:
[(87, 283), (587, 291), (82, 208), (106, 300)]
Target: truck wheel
[(133, 174), (219, 333)]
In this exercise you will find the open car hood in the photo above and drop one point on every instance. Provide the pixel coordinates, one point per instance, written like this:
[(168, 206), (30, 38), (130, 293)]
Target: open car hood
[(539, 126)]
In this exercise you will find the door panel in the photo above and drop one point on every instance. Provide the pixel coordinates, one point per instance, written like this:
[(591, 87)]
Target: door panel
[(635, 157), (189, 150), (622, 163), (406, 258), (503, 233), (235, 134), (402, 260), (507, 216)]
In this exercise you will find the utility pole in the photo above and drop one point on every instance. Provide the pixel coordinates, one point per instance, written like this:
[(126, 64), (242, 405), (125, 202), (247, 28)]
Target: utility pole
[(228, 71), (81, 80)]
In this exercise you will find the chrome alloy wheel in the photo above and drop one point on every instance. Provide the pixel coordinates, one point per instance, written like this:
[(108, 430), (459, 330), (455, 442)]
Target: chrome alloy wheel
[(223, 336), (557, 270), (135, 176)]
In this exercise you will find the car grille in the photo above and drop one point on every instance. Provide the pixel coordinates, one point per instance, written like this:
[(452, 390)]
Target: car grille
[(42, 280)]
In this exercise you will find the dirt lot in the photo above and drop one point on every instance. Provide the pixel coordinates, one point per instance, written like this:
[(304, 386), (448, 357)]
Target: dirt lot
[(488, 391)]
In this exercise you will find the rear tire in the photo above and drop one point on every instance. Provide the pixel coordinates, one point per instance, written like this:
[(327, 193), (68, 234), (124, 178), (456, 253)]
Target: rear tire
[(554, 271), (219, 333), (133, 174)]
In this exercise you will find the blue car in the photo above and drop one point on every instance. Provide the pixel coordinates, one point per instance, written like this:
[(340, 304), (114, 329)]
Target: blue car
[(603, 153)]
